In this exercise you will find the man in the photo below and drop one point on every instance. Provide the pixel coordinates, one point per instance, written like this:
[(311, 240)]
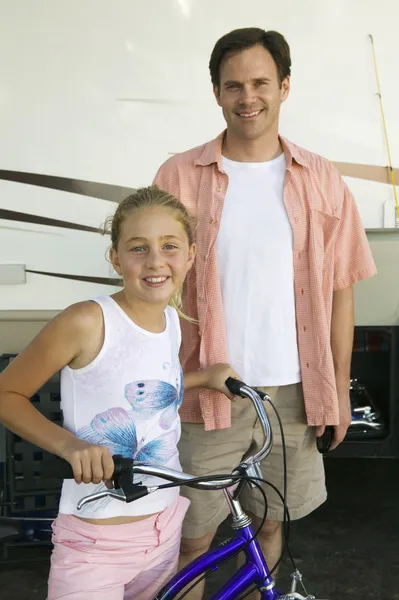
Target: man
[(280, 245)]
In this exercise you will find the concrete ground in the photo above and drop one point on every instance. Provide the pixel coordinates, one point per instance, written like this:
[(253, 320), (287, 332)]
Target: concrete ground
[(346, 550)]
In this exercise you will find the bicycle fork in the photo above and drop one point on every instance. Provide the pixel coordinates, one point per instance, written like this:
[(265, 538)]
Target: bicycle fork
[(240, 521)]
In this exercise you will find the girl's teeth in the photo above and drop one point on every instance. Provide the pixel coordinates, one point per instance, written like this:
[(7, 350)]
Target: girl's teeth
[(156, 279)]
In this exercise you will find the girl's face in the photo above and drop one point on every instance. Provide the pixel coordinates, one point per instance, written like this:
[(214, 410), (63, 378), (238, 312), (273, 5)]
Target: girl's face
[(153, 254)]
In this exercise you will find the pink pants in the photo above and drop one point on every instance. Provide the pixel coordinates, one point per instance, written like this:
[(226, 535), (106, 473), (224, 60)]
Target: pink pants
[(115, 562)]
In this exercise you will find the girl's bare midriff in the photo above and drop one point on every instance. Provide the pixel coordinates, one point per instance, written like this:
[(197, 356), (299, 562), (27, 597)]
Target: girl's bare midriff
[(117, 520)]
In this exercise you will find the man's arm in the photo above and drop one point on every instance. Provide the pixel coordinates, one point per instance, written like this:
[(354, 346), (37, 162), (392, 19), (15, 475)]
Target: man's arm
[(352, 263), (342, 328)]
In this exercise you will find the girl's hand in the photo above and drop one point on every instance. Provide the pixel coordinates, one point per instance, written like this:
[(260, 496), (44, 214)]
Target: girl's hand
[(215, 378), (90, 463)]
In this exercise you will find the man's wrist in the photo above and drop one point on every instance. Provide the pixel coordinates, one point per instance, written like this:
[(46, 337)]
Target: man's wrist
[(342, 382)]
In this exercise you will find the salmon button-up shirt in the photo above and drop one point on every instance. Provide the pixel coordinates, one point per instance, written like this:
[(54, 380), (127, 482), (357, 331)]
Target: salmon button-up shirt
[(330, 252)]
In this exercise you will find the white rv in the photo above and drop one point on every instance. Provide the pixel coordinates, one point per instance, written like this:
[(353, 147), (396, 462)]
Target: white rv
[(94, 96)]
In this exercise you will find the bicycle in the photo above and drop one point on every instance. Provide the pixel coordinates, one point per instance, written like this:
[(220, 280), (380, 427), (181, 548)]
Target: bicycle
[(254, 574)]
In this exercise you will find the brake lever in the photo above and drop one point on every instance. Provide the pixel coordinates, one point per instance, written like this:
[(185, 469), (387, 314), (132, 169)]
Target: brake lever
[(124, 487), (116, 494), (262, 395)]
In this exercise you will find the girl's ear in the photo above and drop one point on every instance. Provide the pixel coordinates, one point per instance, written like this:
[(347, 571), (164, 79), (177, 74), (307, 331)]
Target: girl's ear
[(191, 256), (113, 257)]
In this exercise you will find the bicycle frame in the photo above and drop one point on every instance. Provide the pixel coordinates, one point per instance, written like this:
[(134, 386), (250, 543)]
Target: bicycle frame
[(254, 571)]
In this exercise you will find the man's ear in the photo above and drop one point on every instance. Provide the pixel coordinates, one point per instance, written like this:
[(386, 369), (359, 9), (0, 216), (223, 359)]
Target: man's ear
[(216, 92), (285, 88), (113, 257)]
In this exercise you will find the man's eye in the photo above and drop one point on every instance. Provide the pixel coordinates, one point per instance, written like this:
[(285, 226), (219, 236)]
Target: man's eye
[(170, 247), (138, 249)]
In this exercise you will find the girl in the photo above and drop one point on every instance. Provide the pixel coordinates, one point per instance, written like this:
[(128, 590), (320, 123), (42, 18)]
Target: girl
[(121, 387)]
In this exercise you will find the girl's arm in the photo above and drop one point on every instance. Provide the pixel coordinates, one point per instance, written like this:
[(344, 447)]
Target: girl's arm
[(57, 345), (211, 378)]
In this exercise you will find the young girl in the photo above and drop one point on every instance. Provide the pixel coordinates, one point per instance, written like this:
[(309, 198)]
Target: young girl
[(121, 387)]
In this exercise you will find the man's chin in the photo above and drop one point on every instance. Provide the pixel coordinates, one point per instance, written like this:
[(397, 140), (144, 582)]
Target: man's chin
[(252, 135)]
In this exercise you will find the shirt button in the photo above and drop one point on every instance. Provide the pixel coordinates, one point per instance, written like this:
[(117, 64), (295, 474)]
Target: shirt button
[(304, 327), (199, 333), (302, 292), (299, 255), (307, 365)]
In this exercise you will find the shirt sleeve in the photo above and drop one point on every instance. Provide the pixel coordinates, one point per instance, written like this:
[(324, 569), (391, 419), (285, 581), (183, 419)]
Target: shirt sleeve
[(353, 260)]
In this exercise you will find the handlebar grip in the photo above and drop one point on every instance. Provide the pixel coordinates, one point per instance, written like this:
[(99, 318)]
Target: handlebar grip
[(56, 469), (234, 386), (61, 469)]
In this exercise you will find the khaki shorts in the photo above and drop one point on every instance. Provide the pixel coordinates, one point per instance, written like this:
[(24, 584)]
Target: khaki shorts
[(220, 451)]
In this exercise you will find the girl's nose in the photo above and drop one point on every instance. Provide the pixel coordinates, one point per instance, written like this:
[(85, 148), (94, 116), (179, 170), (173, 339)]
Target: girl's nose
[(154, 259)]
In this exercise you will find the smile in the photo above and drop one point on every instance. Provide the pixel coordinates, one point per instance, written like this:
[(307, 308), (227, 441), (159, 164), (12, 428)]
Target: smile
[(156, 282), (250, 115), (155, 279)]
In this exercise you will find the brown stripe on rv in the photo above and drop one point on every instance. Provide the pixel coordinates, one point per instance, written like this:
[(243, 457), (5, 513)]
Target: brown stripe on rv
[(84, 278), (102, 191), (13, 215)]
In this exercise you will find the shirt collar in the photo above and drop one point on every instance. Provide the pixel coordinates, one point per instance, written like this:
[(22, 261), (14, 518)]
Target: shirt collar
[(212, 153)]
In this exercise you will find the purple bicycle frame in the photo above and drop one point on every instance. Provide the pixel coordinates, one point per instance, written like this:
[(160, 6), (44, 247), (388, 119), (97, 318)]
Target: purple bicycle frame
[(254, 570)]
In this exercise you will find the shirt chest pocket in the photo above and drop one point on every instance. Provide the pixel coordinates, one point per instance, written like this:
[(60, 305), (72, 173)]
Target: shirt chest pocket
[(322, 232)]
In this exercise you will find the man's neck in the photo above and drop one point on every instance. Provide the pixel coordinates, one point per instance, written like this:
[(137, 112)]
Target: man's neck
[(259, 150)]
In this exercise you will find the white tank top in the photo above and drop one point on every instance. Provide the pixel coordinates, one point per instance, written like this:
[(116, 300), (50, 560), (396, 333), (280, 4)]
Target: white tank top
[(127, 399)]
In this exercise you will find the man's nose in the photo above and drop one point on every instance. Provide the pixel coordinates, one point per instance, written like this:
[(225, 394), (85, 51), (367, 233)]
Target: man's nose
[(247, 95)]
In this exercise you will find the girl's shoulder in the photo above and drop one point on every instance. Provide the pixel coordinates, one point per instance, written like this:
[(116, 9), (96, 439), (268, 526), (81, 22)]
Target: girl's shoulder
[(85, 315), (82, 322), (85, 319)]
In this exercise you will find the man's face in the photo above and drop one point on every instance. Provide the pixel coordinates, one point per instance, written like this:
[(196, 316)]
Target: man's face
[(250, 93)]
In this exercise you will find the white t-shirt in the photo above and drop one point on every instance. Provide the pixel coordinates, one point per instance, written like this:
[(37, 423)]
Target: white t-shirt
[(255, 260), (126, 399)]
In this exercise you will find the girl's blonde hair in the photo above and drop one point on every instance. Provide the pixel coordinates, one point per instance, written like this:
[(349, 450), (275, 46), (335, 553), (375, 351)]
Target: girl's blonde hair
[(148, 197)]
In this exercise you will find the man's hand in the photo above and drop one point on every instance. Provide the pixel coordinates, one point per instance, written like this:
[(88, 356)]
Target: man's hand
[(345, 418)]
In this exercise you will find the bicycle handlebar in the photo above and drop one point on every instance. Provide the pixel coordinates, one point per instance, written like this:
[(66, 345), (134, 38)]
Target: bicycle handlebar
[(126, 468)]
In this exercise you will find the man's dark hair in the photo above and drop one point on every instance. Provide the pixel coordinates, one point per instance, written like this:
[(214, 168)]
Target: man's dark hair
[(242, 39)]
